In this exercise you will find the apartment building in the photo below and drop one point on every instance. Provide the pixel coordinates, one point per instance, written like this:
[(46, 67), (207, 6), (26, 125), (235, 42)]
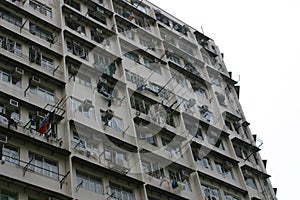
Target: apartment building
[(119, 100)]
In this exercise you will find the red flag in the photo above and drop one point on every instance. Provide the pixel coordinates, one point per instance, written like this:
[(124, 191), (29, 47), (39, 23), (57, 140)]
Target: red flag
[(42, 130)]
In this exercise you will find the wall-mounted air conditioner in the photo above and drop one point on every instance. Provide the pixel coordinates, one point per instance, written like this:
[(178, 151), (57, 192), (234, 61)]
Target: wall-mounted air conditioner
[(18, 72), (13, 103), (185, 173), (191, 103), (34, 81), (109, 114), (227, 165), (40, 114), (87, 104), (99, 10), (3, 138), (247, 173), (73, 69), (204, 109)]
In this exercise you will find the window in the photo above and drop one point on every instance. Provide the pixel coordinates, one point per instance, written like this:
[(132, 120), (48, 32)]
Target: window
[(162, 18), (98, 36), (221, 99), (250, 182), (120, 193), (159, 90), (83, 80), (153, 169), (42, 8), (186, 47), (116, 157), (140, 7), (11, 154), (186, 105), (73, 4), (77, 49), (134, 78), (225, 169), (72, 23), (219, 167), (199, 90), (86, 109), (203, 161), (174, 59), (10, 112), (143, 22), (8, 78), (100, 59), (147, 43), (179, 78), (148, 137), (7, 195), (207, 115), (115, 122), (40, 32), (169, 38), (43, 165), (126, 32), (98, 15), (10, 45), (216, 80), (173, 147), (210, 192), (215, 141), (11, 18), (132, 56), (140, 104), (43, 93), (230, 197), (152, 65), (178, 177), (89, 182), (47, 63)]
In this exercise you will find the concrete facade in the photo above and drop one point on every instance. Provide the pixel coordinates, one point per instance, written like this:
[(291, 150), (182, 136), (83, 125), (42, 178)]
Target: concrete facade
[(117, 99)]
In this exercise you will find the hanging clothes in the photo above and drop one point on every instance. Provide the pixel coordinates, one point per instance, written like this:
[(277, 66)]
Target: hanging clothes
[(174, 184)]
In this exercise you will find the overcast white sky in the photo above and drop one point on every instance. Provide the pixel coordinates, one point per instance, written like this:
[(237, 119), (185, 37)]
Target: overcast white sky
[(261, 42)]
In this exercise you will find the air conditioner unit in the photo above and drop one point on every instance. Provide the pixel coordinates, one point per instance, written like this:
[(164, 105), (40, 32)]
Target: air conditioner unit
[(191, 61), (191, 103), (157, 11), (228, 198), (87, 104), (201, 154), (185, 173), (213, 197), (100, 10), (52, 198), (203, 109), (227, 165), (99, 31), (73, 69), (3, 138), (205, 163), (73, 17), (34, 81), (40, 115), (109, 114), (34, 55), (52, 38), (13, 103), (247, 173), (237, 125), (82, 53), (18, 71)]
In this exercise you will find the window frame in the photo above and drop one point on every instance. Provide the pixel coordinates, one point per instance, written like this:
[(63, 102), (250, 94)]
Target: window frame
[(43, 165)]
